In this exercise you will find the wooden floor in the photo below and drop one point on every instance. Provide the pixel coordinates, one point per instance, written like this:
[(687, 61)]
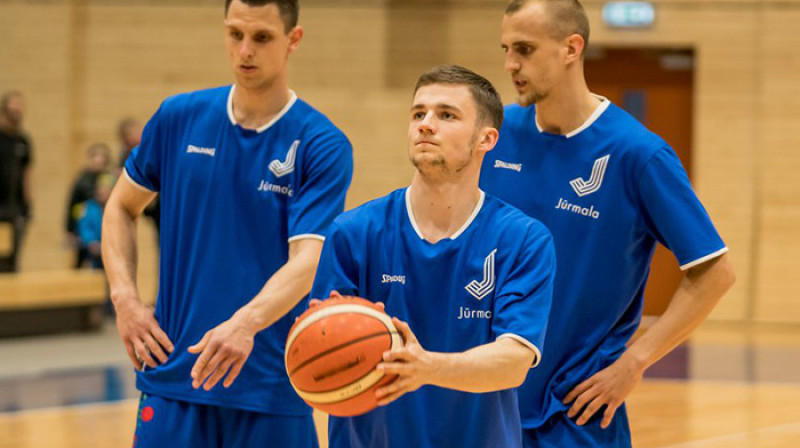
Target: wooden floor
[(663, 414)]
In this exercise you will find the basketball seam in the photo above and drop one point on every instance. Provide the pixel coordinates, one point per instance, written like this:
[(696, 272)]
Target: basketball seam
[(333, 349)]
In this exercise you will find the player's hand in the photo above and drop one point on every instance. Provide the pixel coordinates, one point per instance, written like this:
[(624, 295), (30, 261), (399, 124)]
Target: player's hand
[(608, 387), (223, 350), (144, 339), (411, 363)]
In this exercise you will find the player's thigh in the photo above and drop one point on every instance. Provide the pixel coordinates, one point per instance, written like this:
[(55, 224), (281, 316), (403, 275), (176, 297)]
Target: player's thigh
[(245, 429), (164, 423), (561, 431)]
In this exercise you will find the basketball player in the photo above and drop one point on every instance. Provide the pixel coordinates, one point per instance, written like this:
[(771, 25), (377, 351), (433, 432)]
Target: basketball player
[(469, 276), (249, 177), (608, 189)]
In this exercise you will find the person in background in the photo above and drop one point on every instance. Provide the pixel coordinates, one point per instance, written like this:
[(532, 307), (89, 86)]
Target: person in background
[(89, 222), (15, 176), (129, 132), (98, 157)]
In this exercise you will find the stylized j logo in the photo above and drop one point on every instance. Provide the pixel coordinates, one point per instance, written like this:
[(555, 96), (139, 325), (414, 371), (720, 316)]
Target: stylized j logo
[(482, 289), (582, 187)]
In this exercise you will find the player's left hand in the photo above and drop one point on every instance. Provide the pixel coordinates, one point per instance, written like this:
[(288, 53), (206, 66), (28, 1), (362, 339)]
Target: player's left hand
[(223, 349), (608, 387), (411, 363)]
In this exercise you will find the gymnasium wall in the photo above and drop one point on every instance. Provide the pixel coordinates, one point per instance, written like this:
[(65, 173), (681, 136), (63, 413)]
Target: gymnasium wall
[(85, 64)]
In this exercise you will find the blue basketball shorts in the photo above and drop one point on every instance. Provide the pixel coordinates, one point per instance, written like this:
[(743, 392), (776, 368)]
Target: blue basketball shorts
[(561, 431), (165, 423)]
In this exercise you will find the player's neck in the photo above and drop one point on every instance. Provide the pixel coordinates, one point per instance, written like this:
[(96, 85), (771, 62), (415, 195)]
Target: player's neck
[(566, 109), (255, 107), (441, 209), (8, 127)]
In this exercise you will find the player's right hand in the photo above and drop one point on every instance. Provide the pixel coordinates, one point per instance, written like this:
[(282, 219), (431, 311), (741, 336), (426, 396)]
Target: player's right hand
[(144, 339)]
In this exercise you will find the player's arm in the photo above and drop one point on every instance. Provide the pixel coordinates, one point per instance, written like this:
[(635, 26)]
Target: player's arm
[(499, 365), (673, 214), (699, 292), (144, 340), (224, 349), (521, 310)]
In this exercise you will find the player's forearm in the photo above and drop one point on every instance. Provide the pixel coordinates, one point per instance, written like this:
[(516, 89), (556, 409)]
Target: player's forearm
[(499, 365), (282, 291), (119, 253), (698, 294)]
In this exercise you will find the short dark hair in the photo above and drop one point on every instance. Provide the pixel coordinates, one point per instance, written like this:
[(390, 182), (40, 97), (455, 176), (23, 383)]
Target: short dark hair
[(490, 107), (567, 17), (289, 9)]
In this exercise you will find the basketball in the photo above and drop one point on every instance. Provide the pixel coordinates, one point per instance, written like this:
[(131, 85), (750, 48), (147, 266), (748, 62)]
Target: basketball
[(332, 351)]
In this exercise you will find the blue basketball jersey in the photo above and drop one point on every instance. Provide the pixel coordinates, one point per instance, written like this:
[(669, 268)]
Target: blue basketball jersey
[(231, 201), (491, 279), (608, 191)]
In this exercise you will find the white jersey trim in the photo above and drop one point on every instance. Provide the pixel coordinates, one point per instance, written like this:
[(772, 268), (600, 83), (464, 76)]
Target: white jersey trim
[(307, 236), (292, 100), (458, 232), (702, 260), (137, 185), (604, 103), (537, 354)]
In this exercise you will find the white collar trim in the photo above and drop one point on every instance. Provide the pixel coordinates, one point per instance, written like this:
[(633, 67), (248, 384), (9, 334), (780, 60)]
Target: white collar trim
[(458, 233), (604, 103), (292, 100)]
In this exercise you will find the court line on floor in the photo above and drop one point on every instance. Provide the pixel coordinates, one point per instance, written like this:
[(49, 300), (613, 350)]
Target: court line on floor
[(739, 436), (81, 406)]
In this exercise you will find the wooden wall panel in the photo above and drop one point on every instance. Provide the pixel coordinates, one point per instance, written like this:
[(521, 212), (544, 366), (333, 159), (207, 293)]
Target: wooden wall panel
[(778, 291), (127, 56)]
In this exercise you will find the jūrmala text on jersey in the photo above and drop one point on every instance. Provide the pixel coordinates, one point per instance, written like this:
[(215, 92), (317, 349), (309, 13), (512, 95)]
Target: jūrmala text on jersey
[(491, 279), (607, 191), (232, 199)]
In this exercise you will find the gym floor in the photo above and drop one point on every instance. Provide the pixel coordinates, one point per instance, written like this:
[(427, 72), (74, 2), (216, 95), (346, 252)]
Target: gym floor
[(731, 386)]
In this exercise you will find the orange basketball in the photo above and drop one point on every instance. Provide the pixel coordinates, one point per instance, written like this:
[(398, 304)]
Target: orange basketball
[(332, 351)]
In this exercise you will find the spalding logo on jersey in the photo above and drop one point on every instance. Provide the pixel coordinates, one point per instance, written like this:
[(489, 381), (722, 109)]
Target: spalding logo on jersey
[(582, 187), (280, 169), (481, 289)]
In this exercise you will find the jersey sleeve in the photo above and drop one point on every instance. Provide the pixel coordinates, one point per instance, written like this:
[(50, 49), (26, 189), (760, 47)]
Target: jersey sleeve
[(326, 175), (673, 214), (337, 268), (143, 166), (523, 300)]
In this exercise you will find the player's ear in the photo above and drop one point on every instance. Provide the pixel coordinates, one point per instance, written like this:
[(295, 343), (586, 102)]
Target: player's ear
[(487, 138), (574, 45), (295, 36)]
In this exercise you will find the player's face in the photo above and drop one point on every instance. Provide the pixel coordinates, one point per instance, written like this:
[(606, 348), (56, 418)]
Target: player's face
[(443, 129), (15, 109), (98, 161), (132, 135), (535, 60), (257, 43)]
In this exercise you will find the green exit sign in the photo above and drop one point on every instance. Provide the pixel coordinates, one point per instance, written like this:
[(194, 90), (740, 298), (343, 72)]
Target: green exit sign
[(629, 14)]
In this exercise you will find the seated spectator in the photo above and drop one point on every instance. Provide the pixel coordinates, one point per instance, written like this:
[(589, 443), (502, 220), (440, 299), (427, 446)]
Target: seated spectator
[(98, 157), (90, 222)]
